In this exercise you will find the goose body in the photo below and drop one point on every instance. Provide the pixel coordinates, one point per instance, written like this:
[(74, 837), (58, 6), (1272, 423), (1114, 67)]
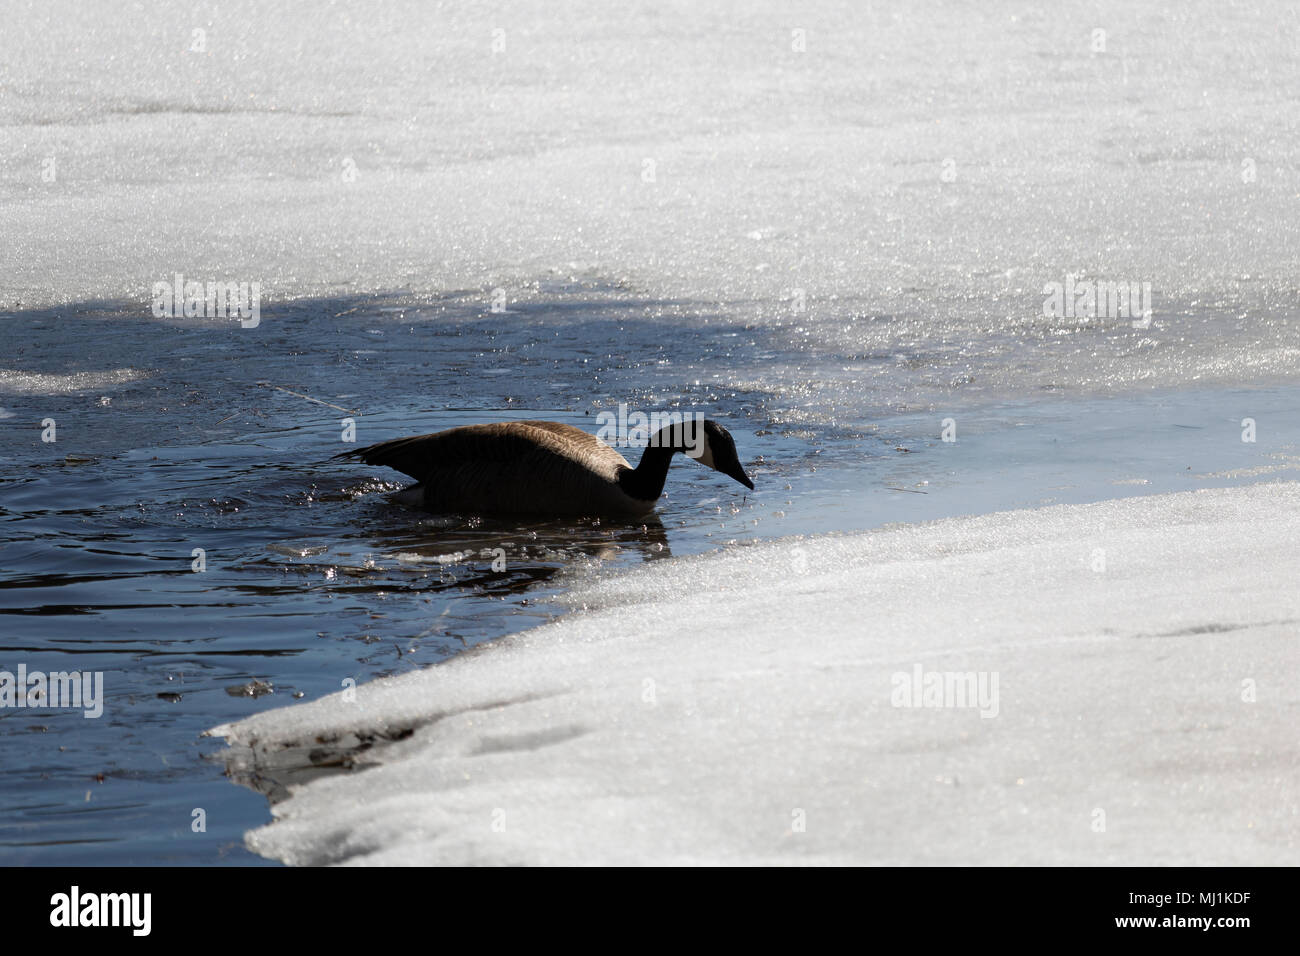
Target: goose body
[(544, 468)]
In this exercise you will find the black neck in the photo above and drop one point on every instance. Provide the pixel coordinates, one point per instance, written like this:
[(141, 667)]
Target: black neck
[(646, 481)]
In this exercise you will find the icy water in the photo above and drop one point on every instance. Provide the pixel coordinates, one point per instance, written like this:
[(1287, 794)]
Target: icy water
[(311, 576), (831, 234)]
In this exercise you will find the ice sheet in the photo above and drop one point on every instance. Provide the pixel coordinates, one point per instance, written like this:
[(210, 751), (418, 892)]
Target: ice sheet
[(744, 707), (891, 183)]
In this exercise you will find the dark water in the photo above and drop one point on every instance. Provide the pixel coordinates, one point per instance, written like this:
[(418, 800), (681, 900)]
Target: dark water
[(222, 441), (311, 575)]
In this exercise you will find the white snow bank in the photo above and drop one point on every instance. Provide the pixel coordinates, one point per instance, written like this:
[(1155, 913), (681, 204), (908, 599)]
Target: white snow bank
[(736, 708)]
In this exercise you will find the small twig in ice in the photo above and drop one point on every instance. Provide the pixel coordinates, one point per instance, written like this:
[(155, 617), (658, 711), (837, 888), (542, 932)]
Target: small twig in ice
[(278, 388)]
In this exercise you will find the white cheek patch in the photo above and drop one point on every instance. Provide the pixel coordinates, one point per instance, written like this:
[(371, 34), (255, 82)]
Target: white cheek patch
[(703, 453)]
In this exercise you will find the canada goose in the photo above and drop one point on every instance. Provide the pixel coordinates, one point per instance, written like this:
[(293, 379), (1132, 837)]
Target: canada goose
[(545, 468)]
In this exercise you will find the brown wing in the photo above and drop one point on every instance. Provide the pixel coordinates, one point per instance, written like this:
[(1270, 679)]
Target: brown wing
[(503, 443), (589, 444)]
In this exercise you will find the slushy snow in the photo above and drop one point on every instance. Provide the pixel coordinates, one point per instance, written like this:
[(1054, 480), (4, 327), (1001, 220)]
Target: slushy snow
[(748, 707)]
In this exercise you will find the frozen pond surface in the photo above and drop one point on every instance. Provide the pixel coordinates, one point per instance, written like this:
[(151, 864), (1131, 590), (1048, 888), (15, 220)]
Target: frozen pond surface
[(1069, 685), (831, 234)]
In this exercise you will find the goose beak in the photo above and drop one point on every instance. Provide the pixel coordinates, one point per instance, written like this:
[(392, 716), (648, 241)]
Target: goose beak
[(739, 474)]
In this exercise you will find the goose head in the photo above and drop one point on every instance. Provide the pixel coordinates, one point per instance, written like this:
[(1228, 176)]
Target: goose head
[(714, 446)]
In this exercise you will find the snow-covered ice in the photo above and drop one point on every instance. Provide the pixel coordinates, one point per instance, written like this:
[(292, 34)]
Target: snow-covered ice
[(812, 218), (744, 707), (912, 173)]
